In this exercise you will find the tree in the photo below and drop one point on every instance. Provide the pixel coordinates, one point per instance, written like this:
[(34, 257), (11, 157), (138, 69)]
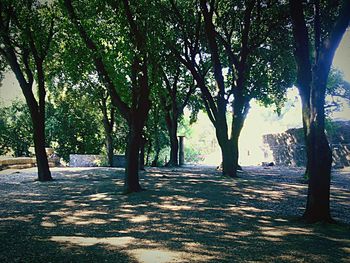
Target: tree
[(329, 20), (138, 58), (68, 74), (16, 129), (26, 30), (338, 91), (74, 125), (156, 132), (179, 89), (108, 113), (236, 51)]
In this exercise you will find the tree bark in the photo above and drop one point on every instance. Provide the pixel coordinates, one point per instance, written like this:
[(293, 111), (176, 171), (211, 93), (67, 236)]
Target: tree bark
[(44, 173), (312, 82), (131, 182), (174, 148), (108, 123), (38, 119), (36, 109), (109, 148), (135, 114), (171, 123)]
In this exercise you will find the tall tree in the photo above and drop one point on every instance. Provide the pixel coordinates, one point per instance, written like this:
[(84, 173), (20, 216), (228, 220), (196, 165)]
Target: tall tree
[(242, 42), (26, 32), (135, 112), (179, 88), (329, 19)]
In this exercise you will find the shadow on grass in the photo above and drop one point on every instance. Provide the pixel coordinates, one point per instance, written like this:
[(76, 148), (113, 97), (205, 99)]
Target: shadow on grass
[(186, 215)]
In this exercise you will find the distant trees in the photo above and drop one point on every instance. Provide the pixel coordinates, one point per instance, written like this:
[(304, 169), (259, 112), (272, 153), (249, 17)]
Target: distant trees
[(317, 34)]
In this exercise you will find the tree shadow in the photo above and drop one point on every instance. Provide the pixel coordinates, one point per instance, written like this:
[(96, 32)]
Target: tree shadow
[(186, 215)]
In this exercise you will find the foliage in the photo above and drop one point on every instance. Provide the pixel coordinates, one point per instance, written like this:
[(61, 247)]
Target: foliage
[(15, 129), (74, 126), (338, 91)]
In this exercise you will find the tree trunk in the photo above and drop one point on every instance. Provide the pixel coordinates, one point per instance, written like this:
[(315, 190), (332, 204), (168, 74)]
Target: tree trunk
[(319, 171), (226, 146), (131, 182), (156, 158), (230, 155), (108, 124), (305, 102), (109, 148), (319, 155), (44, 173), (174, 145), (228, 167)]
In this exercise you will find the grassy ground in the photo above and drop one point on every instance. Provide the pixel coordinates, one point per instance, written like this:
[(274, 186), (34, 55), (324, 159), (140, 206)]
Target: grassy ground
[(190, 214)]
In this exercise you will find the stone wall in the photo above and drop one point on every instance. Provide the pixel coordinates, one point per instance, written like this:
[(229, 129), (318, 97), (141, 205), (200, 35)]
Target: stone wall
[(91, 160), (84, 160), (288, 148)]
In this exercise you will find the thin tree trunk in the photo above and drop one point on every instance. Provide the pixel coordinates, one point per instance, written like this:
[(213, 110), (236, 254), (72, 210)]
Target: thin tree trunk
[(108, 124), (110, 149)]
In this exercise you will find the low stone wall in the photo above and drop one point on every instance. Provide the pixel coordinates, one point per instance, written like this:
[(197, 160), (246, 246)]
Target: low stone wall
[(288, 148), (84, 160), (16, 162), (92, 160)]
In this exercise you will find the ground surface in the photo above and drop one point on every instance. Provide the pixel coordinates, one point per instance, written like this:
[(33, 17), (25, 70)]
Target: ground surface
[(190, 214)]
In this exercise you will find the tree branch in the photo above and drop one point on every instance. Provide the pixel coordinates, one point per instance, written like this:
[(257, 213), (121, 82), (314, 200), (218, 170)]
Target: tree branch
[(98, 61)]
